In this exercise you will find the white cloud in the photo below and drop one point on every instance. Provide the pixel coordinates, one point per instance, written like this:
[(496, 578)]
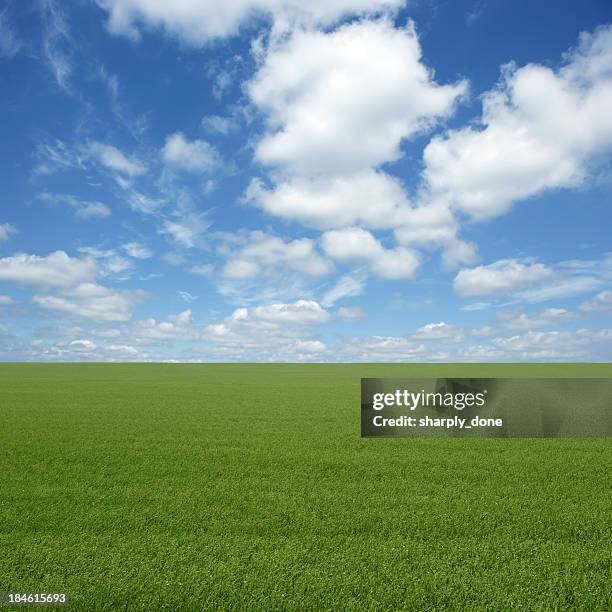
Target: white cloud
[(58, 156), (602, 302), (349, 285), (139, 202), (475, 306), (342, 101), (309, 346), (54, 270), (554, 344), (10, 44), (204, 270), (220, 125), (187, 229), (338, 105), (456, 253), (505, 276), (108, 262), (439, 331), (93, 210), (173, 259), (222, 82), (540, 129), (121, 349), (355, 245), (272, 330), (427, 225), (380, 348), (430, 225), (197, 22), (302, 312), (240, 269), (485, 330), (350, 314), (6, 230), (367, 197), (177, 327), (560, 288), (187, 297), (83, 208), (523, 321), (92, 301), (182, 318), (5, 300), (114, 159), (55, 42), (258, 251), (137, 250), (191, 156), (82, 345), (531, 281)]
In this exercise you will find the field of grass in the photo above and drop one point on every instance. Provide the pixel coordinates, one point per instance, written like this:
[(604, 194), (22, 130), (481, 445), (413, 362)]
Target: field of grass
[(246, 487)]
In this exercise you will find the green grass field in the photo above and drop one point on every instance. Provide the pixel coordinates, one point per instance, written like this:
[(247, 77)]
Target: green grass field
[(246, 487)]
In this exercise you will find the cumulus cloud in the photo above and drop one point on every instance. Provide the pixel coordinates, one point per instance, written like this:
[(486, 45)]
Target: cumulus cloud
[(124, 350), (92, 301), (524, 146), (177, 327), (54, 270), (275, 330), (258, 252), (302, 312), (196, 22), (505, 276), (368, 197), (360, 246), (82, 345), (343, 101), (309, 346), (190, 156), (240, 269), (338, 105), (439, 331), (271, 316)]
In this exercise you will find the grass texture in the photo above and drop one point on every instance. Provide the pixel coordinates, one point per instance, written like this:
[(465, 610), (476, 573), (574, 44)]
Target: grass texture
[(247, 487)]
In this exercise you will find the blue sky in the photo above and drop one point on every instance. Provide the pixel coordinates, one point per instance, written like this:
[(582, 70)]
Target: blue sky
[(346, 180)]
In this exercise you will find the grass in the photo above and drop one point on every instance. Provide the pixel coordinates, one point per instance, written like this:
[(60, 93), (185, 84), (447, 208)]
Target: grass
[(247, 487)]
